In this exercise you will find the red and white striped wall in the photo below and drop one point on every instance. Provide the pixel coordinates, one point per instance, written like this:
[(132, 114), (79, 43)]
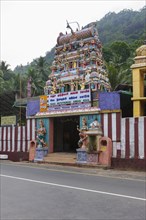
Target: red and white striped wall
[(16, 139), (133, 138), (111, 125)]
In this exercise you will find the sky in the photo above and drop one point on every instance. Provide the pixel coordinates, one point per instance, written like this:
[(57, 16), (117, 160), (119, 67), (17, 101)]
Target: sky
[(30, 28)]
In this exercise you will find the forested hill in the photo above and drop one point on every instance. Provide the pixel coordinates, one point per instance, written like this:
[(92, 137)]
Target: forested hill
[(127, 25)]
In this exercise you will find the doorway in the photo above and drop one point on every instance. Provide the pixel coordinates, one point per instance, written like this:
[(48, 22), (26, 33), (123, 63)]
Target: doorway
[(66, 136)]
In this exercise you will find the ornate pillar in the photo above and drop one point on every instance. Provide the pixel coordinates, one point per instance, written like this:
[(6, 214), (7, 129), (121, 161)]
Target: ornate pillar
[(138, 74)]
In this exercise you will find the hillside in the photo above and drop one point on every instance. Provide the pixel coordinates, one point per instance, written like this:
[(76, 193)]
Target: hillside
[(127, 25)]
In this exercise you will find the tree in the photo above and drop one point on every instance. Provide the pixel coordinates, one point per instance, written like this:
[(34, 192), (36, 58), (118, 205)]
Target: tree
[(1, 82), (40, 65), (118, 75), (118, 61), (127, 25), (17, 84), (37, 85), (121, 50), (7, 73)]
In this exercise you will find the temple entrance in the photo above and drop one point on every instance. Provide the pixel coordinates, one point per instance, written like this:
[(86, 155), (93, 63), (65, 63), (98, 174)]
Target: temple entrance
[(66, 136)]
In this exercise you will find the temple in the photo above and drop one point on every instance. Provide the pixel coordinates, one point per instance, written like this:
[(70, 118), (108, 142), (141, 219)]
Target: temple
[(78, 114), (72, 90)]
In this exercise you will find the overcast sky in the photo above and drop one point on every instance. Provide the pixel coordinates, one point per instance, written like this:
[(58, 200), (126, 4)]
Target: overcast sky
[(30, 28)]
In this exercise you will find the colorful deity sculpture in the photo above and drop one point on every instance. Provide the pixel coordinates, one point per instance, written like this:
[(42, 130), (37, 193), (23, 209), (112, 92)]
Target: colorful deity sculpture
[(72, 85), (82, 85), (83, 142), (95, 124), (54, 86), (62, 86), (89, 137), (41, 132)]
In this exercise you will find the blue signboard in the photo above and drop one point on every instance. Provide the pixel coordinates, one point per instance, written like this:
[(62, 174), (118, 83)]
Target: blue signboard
[(109, 100)]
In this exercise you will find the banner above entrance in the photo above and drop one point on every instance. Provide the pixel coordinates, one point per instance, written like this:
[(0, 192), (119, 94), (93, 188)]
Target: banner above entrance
[(69, 98)]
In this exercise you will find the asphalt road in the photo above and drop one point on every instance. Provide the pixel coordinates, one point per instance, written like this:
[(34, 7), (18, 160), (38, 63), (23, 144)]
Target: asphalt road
[(33, 192)]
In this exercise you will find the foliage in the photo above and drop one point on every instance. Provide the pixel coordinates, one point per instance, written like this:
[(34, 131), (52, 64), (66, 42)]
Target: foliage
[(118, 75), (36, 81), (40, 66), (50, 56), (118, 62), (127, 25), (6, 72)]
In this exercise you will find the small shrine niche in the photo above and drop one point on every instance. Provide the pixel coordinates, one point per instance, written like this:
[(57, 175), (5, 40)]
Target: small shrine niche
[(78, 62)]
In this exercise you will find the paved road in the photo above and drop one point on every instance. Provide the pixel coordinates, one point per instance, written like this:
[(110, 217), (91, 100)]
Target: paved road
[(35, 192)]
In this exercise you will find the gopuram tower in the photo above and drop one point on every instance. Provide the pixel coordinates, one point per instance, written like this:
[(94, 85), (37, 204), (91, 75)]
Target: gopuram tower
[(78, 63)]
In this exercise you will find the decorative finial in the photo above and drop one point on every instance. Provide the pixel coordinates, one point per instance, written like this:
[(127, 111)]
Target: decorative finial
[(68, 26)]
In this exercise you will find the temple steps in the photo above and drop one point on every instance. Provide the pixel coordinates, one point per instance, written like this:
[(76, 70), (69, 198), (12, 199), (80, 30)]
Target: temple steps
[(61, 157)]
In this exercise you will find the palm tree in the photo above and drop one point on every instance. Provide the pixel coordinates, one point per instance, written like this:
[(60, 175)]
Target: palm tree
[(118, 75), (17, 84), (1, 82), (118, 62), (41, 67), (7, 73), (37, 84)]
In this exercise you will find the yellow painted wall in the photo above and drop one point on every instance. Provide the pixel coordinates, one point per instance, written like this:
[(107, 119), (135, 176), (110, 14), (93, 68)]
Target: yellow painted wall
[(138, 92)]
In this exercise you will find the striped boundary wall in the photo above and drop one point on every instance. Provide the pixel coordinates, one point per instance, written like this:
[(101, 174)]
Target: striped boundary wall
[(111, 126), (128, 136), (133, 138), (16, 139)]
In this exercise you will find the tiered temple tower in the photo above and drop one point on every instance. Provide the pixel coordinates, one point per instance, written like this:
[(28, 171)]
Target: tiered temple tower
[(78, 63)]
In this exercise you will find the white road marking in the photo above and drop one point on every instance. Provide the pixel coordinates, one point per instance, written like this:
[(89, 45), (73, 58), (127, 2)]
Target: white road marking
[(72, 187), (105, 175)]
